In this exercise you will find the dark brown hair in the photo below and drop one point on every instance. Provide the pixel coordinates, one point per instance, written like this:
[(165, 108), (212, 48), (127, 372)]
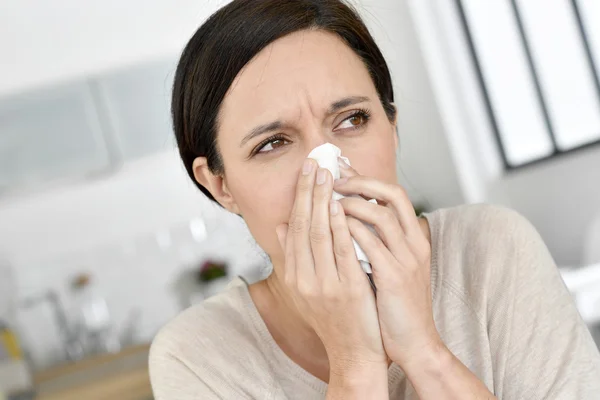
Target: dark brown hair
[(229, 39)]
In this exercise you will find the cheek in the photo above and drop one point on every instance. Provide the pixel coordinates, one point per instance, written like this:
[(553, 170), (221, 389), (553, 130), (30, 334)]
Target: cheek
[(265, 200), (376, 156)]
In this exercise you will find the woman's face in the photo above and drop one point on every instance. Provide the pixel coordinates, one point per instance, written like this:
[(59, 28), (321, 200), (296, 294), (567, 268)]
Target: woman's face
[(303, 90)]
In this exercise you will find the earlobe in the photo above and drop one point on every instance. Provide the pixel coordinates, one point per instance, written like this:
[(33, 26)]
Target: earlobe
[(215, 184)]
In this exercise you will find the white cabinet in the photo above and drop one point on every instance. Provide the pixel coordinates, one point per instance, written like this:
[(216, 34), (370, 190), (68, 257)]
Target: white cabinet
[(81, 128), (137, 103), (50, 134)]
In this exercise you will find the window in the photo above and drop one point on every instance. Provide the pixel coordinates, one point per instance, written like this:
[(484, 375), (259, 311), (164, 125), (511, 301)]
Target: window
[(538, 64)]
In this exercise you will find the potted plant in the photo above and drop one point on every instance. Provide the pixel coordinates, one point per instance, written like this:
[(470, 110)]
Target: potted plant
[(213, 277)]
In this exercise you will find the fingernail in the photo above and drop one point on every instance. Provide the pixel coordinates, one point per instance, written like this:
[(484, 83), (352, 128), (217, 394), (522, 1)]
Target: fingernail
[(342, 163), (321, 176), (341, 181), (333, 207), (307, 167)]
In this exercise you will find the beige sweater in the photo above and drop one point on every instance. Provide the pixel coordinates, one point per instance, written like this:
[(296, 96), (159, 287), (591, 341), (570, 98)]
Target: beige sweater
[(498, 302)]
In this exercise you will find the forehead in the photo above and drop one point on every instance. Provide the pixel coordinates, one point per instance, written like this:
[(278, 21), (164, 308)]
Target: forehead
[(313, 68)]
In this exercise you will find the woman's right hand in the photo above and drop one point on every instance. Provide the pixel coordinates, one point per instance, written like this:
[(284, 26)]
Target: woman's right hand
[(324, 277)]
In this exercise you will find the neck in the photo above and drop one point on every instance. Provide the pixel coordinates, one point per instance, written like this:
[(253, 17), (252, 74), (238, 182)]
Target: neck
[(287, 327), (288, 316)]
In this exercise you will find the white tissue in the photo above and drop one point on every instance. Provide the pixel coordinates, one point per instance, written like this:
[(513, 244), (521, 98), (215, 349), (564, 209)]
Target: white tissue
[(326, 156)]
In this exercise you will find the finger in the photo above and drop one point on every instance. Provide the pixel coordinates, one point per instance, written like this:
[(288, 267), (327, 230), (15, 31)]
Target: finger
[(346, 171), (381, 259), (300, 223), (384, 221), (348, 267), (287, 245), (392, 194), (320, 231)]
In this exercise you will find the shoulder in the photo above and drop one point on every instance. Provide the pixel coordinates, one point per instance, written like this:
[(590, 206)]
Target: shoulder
[(479, 216), (481, 228), (205, 336), (191, 357), (479, 249)]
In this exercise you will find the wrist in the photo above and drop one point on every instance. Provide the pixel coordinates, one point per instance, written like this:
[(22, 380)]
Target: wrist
[(358, 381), (437, 373), (356, 373), (430, 361)]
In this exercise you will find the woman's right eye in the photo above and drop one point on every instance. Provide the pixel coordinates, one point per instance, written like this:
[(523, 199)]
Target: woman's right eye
[(271, 144)]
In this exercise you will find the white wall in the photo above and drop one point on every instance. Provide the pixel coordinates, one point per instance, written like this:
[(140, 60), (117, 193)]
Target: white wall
[(108, 226), (561, 198)]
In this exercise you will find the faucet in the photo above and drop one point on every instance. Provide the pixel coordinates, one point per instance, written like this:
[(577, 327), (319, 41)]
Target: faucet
[(69, 337)]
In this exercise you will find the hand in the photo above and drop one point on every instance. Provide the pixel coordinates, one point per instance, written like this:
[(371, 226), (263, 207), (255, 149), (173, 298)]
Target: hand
[(324, 278), (400, 259)]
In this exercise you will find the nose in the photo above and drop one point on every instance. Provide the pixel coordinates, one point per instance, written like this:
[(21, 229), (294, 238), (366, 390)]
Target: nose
[(314, 137)]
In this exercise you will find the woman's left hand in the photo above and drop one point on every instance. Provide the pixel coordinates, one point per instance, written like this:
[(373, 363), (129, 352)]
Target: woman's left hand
[(400, 259)]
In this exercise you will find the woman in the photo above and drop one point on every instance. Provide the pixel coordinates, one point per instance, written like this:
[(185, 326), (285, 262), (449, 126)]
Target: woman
[(469, 302)]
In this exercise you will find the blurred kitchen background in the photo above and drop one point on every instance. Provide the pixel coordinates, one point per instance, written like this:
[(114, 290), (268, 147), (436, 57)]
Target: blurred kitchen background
[(103, 238)]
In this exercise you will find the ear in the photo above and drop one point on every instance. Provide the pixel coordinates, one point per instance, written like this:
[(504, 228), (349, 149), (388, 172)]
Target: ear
[(395, 126), (215, 184)]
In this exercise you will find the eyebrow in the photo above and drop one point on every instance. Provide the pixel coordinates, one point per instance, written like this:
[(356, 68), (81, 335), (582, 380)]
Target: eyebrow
[(276, 125), (345, 102)]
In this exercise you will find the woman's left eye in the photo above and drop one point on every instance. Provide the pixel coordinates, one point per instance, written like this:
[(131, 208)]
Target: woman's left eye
[(354, 121)]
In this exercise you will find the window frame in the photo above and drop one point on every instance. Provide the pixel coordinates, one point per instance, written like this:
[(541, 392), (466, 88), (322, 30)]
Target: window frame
[(532, 68)]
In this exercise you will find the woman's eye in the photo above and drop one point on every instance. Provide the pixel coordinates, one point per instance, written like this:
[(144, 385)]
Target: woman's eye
[(272, 145), (353, 121)]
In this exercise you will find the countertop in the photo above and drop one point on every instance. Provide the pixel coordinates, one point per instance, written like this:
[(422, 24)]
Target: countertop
[(122, 376)]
